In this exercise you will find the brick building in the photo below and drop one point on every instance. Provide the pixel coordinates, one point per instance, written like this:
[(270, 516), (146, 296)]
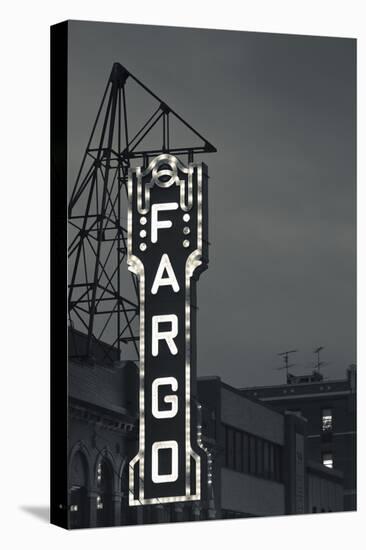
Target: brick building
[(262, 463), (262, 459), (329, 407)]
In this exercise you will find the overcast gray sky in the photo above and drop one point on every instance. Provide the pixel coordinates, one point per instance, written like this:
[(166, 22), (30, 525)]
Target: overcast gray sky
[(281, 111)]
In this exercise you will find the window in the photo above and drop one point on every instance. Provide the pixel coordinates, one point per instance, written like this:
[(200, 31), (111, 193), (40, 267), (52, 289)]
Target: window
[(238, 464), (230, 447), (278, 462), (260, 444), (271, 462), (327, 420), (245, 453), (250, 454), (266, 446), (327, 460)]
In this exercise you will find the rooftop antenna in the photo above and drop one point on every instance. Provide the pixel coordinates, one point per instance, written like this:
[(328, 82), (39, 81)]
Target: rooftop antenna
[(319, 364), (286, 365)]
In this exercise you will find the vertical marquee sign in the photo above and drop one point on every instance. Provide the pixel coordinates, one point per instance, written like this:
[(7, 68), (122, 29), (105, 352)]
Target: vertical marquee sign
[(167, 250)]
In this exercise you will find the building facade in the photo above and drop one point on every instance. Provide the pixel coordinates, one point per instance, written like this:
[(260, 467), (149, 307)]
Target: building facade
[(329, 407), (260, 459), (102, 419)]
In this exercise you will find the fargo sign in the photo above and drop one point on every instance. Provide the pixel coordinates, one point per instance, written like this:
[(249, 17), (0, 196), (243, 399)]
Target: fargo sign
[(167, 250)]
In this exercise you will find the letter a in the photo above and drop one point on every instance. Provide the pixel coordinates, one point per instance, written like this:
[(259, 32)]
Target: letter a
[(171, 280)]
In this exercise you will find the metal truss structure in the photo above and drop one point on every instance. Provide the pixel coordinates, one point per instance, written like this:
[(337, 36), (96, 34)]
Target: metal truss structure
[(103, 297)]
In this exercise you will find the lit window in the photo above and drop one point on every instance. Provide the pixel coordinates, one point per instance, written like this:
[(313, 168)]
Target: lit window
[(327, 460), (327, 420)]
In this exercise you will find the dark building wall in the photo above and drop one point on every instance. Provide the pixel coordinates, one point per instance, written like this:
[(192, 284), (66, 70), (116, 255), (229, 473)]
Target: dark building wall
[(294, 463), (259, 455), (311, 400), (104, 452), (249, 415), (103, 437), (324, 489), (102, 421), (250, 495), (241, 433)]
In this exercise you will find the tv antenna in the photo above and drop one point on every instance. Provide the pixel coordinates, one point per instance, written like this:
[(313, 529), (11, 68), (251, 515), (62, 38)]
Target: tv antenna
[(286, 365), (319, 364)]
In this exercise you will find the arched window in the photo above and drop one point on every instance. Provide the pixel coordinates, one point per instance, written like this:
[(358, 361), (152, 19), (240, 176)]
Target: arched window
[(105, 490), (79, 508)]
